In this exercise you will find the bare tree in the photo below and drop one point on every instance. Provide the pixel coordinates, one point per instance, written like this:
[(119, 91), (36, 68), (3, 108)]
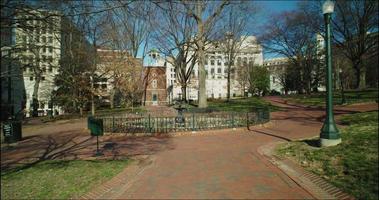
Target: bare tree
[(288, 34), (354, 25), (204, 23), (133, 25), (174, 37), (235, 19), (353, 22)]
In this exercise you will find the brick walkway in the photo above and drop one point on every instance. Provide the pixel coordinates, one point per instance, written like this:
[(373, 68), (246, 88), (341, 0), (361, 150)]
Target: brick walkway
[(229, 164), (220, 164)]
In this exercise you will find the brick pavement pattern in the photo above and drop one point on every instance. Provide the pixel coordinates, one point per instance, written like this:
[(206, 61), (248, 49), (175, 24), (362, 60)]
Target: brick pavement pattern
[(223, 164), (227, 164)]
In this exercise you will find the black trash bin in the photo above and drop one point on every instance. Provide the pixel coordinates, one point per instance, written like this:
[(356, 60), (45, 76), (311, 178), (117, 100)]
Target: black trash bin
[(12, 131)]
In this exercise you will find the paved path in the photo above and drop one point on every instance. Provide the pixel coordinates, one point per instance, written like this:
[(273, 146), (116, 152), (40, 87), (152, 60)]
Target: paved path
[(226, 164), (221, 164)]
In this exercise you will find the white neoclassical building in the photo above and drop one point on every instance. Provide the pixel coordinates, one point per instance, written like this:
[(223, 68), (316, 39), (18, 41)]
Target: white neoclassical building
[(276, 68), (40, 50), (216, 70), (41, 43)]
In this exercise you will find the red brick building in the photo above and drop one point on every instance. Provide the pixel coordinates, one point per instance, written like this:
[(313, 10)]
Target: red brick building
[(155, 92)]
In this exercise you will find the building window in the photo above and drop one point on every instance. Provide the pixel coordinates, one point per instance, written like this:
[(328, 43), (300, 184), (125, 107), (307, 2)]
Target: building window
[(43, 39), (154, 83), (212, 71), (273, 79), (42, 78), (41, 105), (103, 86), (50, 68), (31, 78), (219, 70), (219, 60), (50, 49), (212, 62)]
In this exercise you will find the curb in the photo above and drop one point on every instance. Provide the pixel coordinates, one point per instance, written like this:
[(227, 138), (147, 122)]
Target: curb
[(312, 183), (114, 187)]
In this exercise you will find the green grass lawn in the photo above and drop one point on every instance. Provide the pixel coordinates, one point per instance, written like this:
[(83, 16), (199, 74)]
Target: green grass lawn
[(236, 105), (318, 99), (58, 179), (351, 165)]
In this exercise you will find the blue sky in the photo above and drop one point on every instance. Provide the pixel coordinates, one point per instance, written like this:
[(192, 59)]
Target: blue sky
[(274, 7), (269, 8)]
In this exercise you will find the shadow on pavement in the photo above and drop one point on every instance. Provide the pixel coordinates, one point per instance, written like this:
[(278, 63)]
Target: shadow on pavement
[(270, 134), (66, 146)]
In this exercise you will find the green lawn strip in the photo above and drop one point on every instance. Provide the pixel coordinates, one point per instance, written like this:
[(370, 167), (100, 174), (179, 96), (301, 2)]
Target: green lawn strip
[(58, 179), (351, 165), (318, 99)]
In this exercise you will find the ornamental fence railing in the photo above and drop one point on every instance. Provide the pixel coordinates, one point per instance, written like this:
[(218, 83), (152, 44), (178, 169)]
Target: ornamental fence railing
[(189, 122)]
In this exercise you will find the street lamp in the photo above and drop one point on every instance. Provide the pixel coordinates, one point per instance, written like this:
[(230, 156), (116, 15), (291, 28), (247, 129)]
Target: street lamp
[(329, 135)]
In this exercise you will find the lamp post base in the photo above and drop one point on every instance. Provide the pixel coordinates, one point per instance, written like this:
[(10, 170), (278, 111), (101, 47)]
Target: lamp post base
[(329, 142)]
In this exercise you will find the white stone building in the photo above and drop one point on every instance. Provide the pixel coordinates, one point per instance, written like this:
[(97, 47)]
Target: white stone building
[(39, 42), (216, 70), (276, 68), (39, 49)]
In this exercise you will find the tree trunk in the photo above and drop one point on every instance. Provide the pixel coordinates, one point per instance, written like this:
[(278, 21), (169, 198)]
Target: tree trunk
[(362, 78), (112, 94), (184, 93), (202, 87), (92, 99), (357, 76), (81, 111), (228, 83), (35, 95)]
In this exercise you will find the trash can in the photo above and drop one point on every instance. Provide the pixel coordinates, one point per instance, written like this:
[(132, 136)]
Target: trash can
[(50, 113), (95, 126), (12, 131)]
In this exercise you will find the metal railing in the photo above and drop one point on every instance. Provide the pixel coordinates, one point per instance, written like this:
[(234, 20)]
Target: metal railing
[(192, 122)]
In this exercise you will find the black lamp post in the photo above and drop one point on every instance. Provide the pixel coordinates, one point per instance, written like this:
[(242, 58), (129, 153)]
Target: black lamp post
[(329, 135)]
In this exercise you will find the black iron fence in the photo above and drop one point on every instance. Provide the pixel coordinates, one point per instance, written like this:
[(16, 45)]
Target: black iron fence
[(191, 122)]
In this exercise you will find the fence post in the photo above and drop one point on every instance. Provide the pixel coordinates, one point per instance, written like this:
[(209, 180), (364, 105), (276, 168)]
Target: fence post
[(149, 128), (232, 119), (193, 121), (247, 121), (113, 124)]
